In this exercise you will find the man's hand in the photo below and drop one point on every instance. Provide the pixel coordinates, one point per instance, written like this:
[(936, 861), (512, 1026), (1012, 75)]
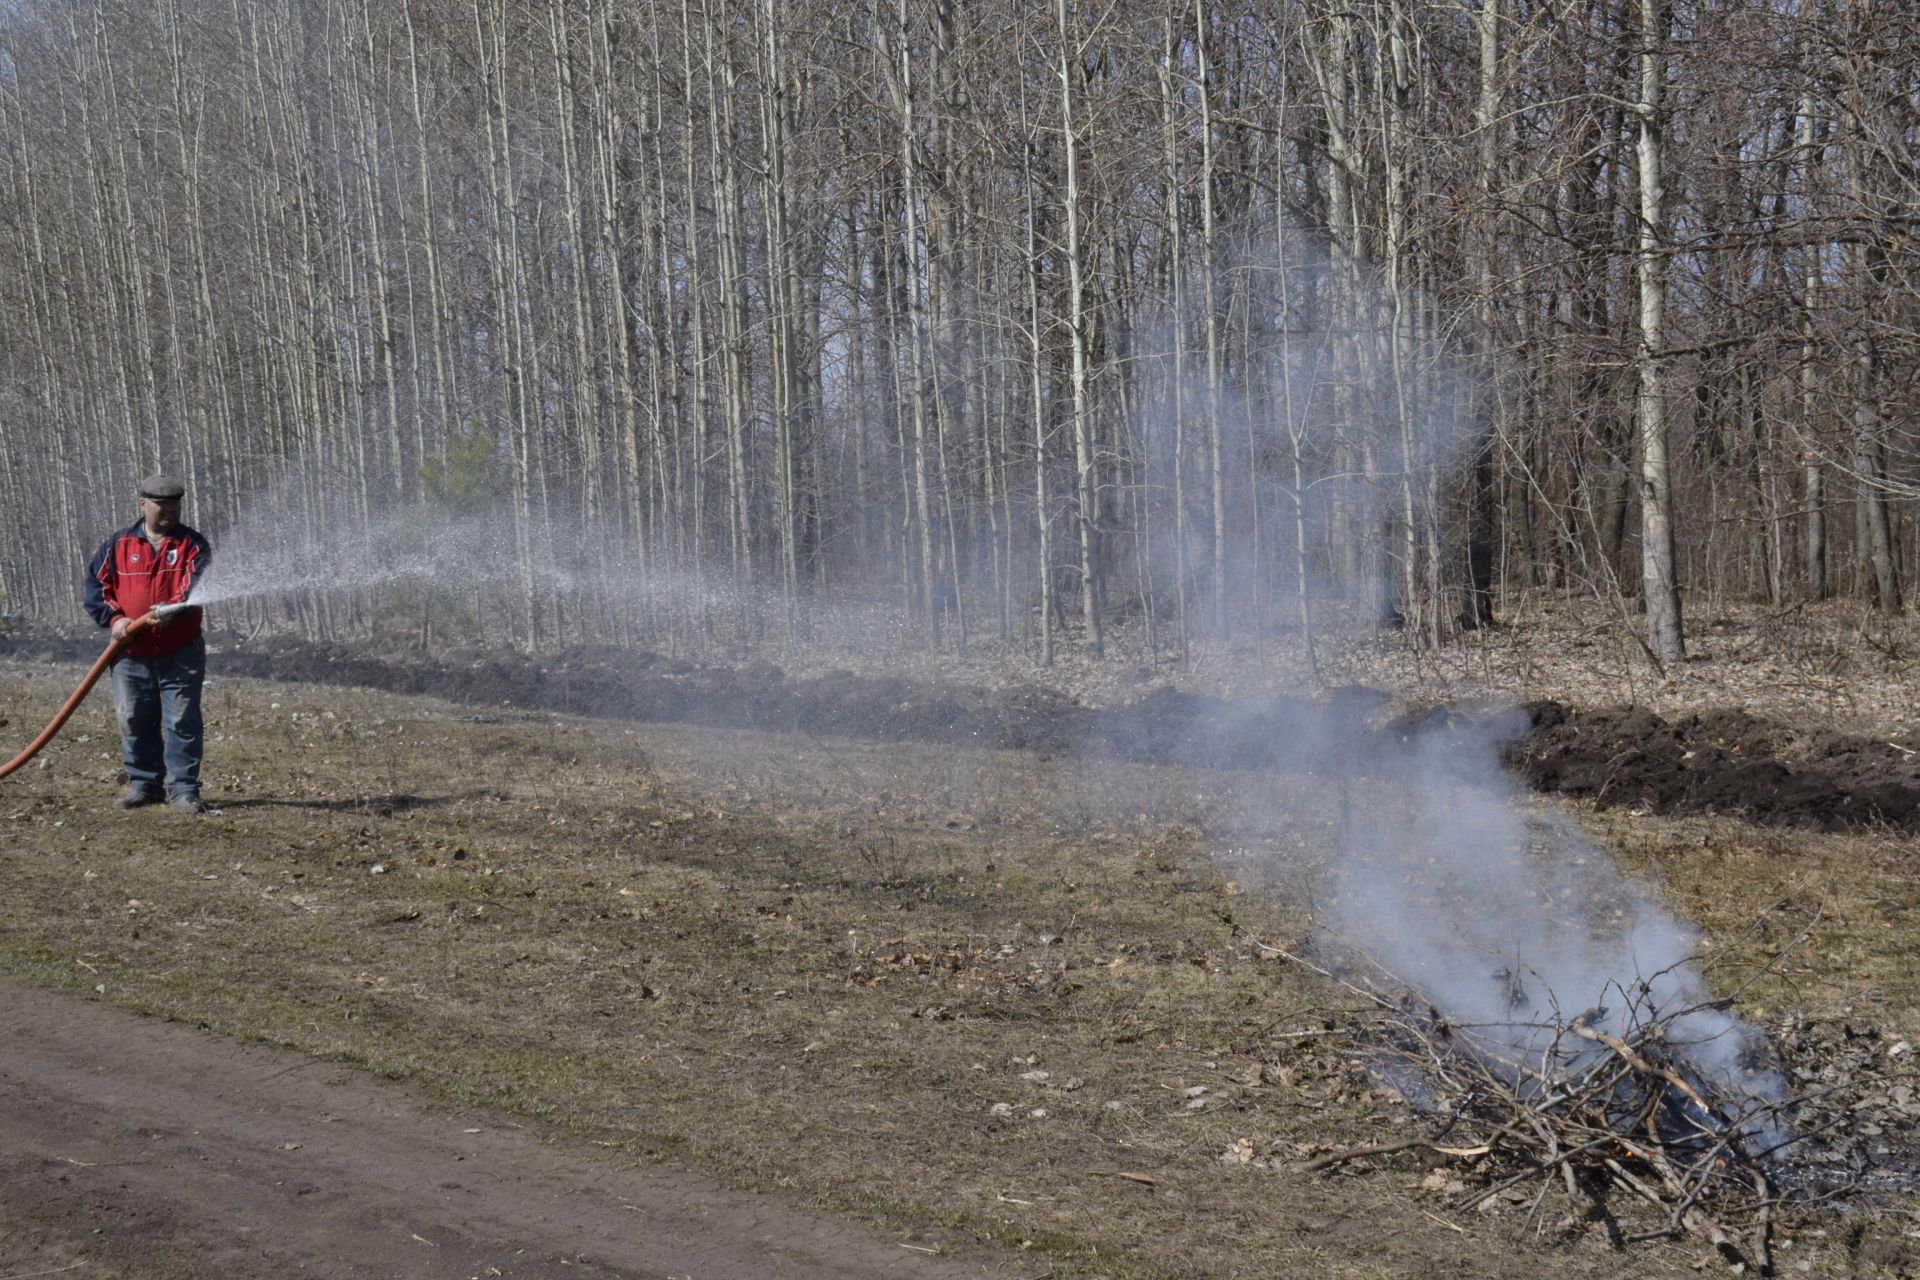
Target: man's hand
[(120, 624)]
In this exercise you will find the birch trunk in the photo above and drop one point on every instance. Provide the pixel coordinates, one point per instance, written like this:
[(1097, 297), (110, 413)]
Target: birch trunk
[(1036, 357), (1813, 469), (1665, 638), (912, 257), (1083, 457), (1210, 320)]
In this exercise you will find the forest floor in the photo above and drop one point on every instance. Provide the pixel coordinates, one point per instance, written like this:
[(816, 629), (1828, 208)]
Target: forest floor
[(993, 996)]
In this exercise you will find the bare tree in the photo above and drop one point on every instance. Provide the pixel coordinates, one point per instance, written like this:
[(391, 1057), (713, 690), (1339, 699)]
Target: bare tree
[(1659, 583)]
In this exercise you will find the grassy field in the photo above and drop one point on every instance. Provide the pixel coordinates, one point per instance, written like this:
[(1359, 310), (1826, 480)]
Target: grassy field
[(988, 1000)]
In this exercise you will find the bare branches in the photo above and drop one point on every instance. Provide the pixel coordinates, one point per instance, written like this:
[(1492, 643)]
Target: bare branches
[(1605, 1103), (747, 293)]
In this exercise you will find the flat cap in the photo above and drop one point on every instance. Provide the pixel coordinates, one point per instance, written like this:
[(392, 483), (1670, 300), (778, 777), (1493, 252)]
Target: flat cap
[(162, 489)]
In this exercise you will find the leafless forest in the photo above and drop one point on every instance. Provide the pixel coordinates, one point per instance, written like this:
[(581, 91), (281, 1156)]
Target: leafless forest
[(1030, 320)]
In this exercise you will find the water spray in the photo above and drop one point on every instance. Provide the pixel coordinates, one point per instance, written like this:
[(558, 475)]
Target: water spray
[(155, 617)]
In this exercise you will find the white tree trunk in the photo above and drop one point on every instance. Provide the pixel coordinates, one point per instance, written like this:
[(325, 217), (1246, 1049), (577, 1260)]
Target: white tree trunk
[(1658, 581)]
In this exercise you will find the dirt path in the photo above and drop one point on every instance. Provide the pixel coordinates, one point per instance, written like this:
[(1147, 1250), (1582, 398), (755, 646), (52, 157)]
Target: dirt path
[(132, 1146)]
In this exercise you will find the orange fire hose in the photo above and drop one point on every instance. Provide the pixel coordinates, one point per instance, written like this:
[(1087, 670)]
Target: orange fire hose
[(100, 665)]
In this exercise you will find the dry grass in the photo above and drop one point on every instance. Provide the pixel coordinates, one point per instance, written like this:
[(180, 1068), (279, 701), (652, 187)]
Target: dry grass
[(1835, 665), (1821, 926), (986, 999)]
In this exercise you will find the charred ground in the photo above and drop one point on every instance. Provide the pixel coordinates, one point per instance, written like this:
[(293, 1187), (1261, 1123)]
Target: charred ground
[(1724, 760)]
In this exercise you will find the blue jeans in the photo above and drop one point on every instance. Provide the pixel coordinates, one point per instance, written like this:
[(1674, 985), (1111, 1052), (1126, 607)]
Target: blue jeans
[(157, 702)]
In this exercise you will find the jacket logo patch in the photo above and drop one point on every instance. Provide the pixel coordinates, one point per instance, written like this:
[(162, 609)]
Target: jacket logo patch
[(173, 556)]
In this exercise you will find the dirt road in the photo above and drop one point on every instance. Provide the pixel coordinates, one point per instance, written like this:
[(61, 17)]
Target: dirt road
[(136, 1147)]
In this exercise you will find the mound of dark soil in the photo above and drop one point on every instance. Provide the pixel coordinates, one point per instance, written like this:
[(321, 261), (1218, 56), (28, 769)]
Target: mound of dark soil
[(1721, 761)]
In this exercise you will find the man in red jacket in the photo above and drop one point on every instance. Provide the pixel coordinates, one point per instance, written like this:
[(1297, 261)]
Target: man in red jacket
[(156, 679)]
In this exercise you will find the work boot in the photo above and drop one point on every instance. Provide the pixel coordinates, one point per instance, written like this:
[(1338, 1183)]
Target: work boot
[(188, 802), (134, 798)]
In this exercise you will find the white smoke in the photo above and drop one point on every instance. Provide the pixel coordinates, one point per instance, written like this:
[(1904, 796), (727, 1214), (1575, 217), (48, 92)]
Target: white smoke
[(1500, 911), (1495, 907)]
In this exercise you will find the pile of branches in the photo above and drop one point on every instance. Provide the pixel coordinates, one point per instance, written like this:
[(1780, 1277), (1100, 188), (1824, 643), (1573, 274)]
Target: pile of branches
[(1606, 1114)]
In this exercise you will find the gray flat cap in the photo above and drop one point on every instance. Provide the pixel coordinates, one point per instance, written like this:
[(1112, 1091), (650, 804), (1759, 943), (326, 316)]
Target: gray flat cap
[(162, 489)]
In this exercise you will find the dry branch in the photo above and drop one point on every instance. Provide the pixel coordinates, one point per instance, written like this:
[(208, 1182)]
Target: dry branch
[(1569, 1104)]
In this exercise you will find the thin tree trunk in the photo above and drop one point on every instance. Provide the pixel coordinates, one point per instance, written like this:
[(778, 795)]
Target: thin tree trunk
[(1665, 637), (1813, 469), (503, 262), (912, 257), (1484, 400), (1177, 279), (1077, 321), (1036, 333), (1210, 319)]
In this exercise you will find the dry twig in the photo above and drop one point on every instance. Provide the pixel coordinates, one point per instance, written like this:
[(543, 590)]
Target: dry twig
[(1586, 1108)]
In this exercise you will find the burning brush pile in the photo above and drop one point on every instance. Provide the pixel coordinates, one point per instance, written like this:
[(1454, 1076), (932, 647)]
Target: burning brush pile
[(1548, 1017), (1652, 1120)]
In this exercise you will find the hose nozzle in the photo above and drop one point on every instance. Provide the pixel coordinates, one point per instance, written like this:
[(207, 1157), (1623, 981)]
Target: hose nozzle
[(163, 612)]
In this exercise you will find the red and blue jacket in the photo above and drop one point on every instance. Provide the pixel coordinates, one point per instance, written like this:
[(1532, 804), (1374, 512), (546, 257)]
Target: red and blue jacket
[(128, 575)]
